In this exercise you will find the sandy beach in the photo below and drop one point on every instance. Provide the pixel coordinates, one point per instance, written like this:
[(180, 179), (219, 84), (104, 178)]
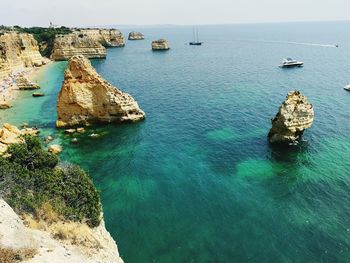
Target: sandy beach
[(8, 87)]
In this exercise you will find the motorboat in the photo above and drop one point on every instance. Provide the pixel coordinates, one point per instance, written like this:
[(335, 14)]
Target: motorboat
[(347, 87), (290, 63)]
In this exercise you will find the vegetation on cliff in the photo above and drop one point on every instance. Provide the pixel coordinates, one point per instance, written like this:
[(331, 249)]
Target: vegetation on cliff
[(31, 179), (44, 36)]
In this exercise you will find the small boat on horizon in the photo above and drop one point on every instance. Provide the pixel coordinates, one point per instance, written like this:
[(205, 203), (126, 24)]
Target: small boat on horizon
[(195, 41), (290, 63)]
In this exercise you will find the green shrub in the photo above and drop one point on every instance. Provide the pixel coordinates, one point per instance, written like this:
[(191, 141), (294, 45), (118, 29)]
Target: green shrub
[(31, 178)]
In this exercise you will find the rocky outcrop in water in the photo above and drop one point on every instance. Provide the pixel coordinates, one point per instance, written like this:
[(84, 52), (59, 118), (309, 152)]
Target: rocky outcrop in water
[(160, 44), (294, 116), (23, 83), (106, 37), (77, 43), (18, 50), (86, 98), (136, 36)]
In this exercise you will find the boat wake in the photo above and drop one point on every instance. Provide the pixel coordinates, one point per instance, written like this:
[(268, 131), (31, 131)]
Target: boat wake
[(292, 43)]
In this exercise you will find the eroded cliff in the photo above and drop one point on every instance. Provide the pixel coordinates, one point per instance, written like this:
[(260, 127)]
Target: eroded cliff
[(86, 98), (106, 37), (18, 50)]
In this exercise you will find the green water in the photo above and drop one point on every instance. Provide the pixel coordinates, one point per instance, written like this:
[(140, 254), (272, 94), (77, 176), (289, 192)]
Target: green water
[(197, 181)]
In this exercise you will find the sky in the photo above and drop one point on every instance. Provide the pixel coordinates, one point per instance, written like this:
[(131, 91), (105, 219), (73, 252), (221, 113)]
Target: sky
[(178, 12)]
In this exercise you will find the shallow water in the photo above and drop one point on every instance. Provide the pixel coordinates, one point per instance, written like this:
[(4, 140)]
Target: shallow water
[(197, 181)]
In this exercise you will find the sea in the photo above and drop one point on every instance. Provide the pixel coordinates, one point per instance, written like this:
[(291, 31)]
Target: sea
[(197, 180)]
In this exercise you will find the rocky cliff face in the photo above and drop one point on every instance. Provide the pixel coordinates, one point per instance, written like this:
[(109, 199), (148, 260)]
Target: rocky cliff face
[(294, 116), (160, 44), (82, 244), (18, 50), (86, 98), (106, 37), (136, 36), (67, 46)]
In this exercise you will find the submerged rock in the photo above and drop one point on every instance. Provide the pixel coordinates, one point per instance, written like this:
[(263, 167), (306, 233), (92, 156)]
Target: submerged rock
[(160, 44), (136, 36), (38, 94), (294, 116), (86, 98)]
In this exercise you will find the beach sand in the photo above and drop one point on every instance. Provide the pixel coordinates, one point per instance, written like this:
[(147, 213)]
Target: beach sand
[(8, 87)]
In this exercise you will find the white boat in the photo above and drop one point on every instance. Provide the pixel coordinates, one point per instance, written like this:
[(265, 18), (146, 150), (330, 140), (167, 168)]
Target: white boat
[(347, 87), (290, 63)]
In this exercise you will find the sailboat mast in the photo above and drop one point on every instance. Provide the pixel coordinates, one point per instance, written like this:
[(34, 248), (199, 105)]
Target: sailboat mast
[(197, 36)]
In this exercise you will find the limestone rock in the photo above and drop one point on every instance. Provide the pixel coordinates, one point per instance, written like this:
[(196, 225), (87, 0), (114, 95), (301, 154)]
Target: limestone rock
[(18, 50), (294, 116), (10, 134), (67, 46), (5, 105), (160, 44), (86, 98), (23, 83), (136, 36), (106, 37), (55, 149)]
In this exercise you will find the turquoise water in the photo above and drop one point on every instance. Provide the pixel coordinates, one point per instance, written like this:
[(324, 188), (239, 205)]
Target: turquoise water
[(197, 180)]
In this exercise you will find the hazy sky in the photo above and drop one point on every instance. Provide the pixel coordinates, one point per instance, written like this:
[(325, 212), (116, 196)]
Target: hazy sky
[(148, 12)]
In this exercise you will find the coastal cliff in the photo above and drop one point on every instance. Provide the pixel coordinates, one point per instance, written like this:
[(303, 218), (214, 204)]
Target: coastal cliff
[(67, 46), (86, 98), (18, 50), (106, 37), (294, 116), (49, 211)]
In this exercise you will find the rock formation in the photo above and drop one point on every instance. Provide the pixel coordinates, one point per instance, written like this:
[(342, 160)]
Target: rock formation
[(160, 44), (83, 244), (86, 98), (67, 46), (18, 50), (106, 37), (10, 134), (23, 83), (136, 36), (294, 116)]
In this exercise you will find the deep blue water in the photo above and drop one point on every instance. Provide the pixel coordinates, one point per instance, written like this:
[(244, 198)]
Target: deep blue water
[(197, 180)]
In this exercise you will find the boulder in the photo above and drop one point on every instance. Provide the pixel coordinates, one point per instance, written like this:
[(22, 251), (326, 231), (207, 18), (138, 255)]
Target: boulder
[(5, 105), (294, 116), (23, 83), (136, 36), (86, 98), (160, 44), (55, 149)]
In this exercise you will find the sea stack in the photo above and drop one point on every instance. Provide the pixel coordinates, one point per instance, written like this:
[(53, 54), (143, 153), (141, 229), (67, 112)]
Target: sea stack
[(294, 116), (86, 98), (136, 36), (160, 44)]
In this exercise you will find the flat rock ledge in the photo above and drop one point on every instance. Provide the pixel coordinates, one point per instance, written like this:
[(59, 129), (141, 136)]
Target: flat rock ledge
[(161, 44), (86, 98), (294, 116)]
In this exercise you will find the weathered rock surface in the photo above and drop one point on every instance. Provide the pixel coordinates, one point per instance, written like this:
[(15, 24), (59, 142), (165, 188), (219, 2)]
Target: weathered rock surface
[(77, 43), (18, 50), (5, 105), (10, 134), (23, 83), (160, 44), (55, 149), (294, 116), (136, 36), (86, 98), (87, 245), (106, 37)]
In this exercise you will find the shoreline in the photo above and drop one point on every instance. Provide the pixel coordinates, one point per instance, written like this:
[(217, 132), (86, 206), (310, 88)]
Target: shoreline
[(8, 87)]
